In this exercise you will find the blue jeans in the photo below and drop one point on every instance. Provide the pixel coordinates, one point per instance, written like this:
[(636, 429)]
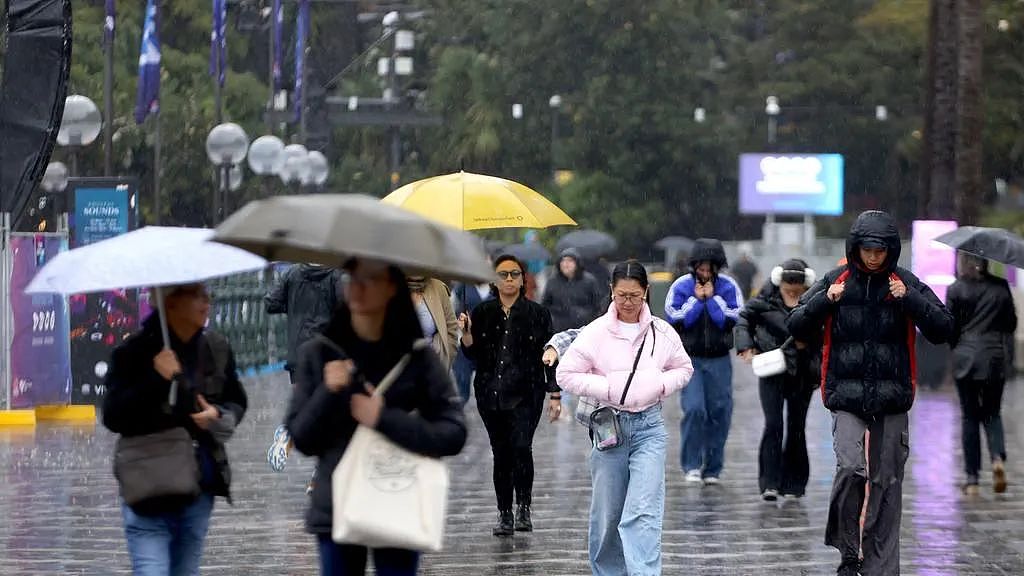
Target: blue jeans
[(628, 500), (707, 415), (168, 544), (350, 560)]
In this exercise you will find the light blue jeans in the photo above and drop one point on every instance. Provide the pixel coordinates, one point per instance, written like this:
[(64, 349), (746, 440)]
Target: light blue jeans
[(168, 544), (707, 415), (628, 501)]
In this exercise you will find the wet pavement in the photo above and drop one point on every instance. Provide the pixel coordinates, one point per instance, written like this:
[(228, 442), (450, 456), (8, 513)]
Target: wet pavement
[(60, 514)]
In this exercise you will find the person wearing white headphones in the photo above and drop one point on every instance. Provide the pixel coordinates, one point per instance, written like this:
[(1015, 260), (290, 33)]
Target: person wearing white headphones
[(785, 390)]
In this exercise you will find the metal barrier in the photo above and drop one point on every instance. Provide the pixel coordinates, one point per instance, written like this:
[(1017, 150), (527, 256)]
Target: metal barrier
[(237, 311)]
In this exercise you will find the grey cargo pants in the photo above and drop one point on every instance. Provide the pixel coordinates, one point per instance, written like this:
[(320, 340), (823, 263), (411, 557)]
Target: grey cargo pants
[(889, 448)]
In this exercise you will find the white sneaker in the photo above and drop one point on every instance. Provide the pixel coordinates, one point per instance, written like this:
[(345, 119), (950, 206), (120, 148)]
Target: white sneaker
[(770, 495), (693, 477), (711, 481)]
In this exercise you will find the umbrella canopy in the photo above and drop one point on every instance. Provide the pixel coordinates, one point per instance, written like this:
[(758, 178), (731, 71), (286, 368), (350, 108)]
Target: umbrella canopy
[(526, 252), (150, 256), (477, 202), (676, 243), (589, 243), (991, 243), (331, 228)]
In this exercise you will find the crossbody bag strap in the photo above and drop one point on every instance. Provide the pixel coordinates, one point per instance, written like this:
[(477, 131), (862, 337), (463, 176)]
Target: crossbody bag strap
[(636, 362), (397, 369)]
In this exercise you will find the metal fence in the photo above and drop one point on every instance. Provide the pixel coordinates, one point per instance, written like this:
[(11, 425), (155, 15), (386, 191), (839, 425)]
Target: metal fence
[(237, 311)]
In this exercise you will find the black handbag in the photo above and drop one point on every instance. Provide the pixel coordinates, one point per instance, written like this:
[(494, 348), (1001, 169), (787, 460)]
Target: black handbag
[(605, 430), (156, 466)]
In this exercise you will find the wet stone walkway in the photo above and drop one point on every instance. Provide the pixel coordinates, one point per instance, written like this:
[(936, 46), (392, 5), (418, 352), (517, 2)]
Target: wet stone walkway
[(59, 512)]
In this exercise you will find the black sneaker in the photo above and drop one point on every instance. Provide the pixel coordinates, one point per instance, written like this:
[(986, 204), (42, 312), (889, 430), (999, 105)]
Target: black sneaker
[(523, 521), (849, 568), (505, 525)]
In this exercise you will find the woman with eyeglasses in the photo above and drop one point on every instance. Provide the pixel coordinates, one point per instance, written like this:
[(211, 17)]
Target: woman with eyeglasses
[(630, 361), (505, 337)]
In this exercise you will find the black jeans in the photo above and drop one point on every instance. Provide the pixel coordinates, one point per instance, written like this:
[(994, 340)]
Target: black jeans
[(783, 463), (511, 435), (980, 404)]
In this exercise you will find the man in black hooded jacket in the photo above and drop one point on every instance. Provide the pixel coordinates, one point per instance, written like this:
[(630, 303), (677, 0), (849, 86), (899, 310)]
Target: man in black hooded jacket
[(867, 312)]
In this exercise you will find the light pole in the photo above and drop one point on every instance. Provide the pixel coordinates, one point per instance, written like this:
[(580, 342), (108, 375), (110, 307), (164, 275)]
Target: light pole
[(772, 109), (266, 156), (295, 166), (226, 146), (403, 41), (555, 103), (319, 169), (80, 126)]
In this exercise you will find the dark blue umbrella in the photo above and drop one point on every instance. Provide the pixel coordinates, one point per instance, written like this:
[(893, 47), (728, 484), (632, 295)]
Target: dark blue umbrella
[(526, 252), (589, 243)]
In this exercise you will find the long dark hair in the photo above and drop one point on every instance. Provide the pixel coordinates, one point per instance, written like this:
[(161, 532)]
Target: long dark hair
[(509, 258), (632, 270), (401, 323)]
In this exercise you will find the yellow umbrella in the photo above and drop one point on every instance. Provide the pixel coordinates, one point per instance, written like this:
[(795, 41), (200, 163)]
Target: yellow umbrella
[(476, 202)]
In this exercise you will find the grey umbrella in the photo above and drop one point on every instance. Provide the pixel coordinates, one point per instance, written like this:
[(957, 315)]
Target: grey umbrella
[(331, 228), (589, 243), (676, 243), (526, 252), (991, 243)]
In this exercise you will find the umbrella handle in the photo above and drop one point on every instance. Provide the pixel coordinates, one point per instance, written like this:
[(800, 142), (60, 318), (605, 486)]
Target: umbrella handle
[(172, 397)]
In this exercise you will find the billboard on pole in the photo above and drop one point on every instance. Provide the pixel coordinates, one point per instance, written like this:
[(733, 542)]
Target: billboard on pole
[(791, 184)]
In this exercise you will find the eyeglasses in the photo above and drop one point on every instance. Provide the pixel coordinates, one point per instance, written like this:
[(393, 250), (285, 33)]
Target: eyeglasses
[(506, 274), (629, 298)]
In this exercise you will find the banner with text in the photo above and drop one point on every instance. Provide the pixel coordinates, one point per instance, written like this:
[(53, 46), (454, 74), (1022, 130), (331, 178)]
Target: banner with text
[(40, 366), (99, 322)]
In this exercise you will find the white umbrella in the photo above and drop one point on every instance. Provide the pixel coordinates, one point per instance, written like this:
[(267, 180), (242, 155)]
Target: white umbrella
[(152, 256)]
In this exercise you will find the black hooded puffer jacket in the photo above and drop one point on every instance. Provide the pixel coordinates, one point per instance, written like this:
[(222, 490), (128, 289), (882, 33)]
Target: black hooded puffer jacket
[(868, 352), (573, 302)]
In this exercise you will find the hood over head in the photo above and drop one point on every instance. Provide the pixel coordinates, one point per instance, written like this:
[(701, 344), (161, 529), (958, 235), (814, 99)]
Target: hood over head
[(874, 229), (710, 250), (575, 255)]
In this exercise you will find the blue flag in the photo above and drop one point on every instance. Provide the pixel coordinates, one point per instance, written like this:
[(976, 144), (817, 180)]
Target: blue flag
[(219, 41), (108, 22), (301, 31), (147, 101), (277, 21)]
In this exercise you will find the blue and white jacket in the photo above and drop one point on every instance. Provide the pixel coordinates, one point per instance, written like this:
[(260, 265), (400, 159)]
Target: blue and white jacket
[(704, 325)]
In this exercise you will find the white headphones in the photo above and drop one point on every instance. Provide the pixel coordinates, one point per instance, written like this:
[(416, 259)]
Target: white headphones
[(809, 275)]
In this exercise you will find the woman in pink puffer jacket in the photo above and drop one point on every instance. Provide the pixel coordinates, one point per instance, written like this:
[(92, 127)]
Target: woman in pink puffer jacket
[(628, 499)]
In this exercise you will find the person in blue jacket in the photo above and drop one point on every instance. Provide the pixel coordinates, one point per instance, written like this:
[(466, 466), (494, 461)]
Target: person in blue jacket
[(704, 306)]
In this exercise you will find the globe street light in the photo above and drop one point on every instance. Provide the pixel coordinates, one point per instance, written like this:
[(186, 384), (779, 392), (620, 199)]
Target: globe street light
[(266, 155), (226, 146), (318, 169), (296, 164), (79, 126)]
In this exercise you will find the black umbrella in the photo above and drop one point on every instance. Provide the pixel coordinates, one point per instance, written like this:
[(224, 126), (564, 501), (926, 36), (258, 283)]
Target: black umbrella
[(589, 243), (526, 252), (676, 243), (990, 243)]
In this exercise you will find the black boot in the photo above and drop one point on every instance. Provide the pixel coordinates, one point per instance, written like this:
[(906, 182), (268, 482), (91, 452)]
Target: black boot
[(523, 521), (505, 526)]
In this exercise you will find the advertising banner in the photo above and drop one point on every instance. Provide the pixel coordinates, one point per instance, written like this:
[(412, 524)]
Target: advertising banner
[(932, 262), (40, 366), (791, 184), (100, 209)]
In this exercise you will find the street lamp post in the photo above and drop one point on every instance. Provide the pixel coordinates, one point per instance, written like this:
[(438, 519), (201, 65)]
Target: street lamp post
[(772, 109), (555, 103), (226, 146), (319, 169), (53, 184), (266, 156), (80, 126), (295, 166)]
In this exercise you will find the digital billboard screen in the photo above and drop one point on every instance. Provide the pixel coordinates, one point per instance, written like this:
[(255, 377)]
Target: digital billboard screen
[(791, 184)]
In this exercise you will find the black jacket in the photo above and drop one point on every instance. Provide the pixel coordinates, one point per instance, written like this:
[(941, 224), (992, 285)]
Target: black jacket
[(137, 396), (868, 335), (308, 295), (762, 327), (573, 302), (985, 322), (507, 376), (321, 422)]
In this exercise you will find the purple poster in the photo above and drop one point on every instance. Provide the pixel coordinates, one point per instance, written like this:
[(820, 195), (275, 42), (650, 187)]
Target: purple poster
[(40, 365), (791, 184), (932, 262)]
